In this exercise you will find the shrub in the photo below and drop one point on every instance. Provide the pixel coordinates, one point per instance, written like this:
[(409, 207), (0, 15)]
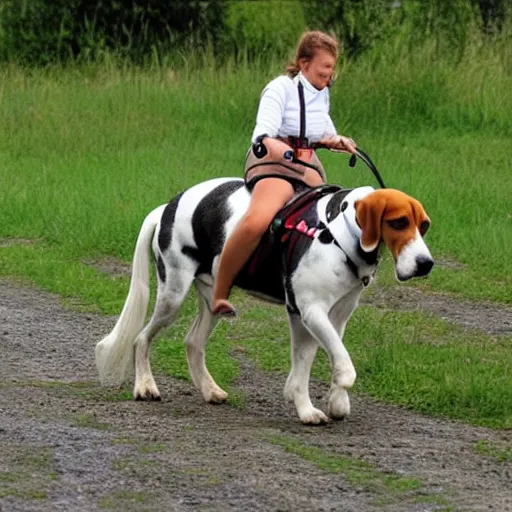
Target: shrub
[(44, 31), (255, 28)]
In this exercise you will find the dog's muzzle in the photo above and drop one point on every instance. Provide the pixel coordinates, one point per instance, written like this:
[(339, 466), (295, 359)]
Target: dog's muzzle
[(414, 260), (423, 266)]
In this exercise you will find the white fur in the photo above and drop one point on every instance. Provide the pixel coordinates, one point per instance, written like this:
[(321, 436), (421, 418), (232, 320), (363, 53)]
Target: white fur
[(114, 353), (326, 294), (407, 260)]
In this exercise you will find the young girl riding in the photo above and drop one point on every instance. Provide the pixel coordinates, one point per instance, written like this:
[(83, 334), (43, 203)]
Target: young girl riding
[(293, 115)]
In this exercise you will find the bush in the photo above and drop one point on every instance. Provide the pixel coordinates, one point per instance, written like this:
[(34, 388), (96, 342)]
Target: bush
[(362, 25), (44, 31), (255, 28), (47, 31)]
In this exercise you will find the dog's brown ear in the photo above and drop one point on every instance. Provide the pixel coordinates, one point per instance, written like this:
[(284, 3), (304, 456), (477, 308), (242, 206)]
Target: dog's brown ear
[(422, 219), (369, 213)]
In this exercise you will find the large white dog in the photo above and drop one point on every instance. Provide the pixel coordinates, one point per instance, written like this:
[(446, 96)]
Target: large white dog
[(316, 258)]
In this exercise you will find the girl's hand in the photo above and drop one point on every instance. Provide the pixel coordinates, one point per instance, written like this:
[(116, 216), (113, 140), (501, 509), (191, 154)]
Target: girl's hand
[(339, 143)]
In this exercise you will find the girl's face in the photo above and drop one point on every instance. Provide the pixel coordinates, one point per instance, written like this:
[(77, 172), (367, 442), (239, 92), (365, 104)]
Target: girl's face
[(319, 70)]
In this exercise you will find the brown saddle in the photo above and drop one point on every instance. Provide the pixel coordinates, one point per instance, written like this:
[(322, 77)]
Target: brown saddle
[(278, 161)]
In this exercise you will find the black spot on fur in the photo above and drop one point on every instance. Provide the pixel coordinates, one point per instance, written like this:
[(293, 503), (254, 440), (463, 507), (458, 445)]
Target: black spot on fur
[(195, 254), (160, 267), (167, 223), (208, 222), (326, 237), (192, 253), (371, 258), (333, 208)]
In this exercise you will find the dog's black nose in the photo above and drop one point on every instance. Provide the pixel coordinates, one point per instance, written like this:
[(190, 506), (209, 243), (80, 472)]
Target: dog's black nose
[(423, 266)]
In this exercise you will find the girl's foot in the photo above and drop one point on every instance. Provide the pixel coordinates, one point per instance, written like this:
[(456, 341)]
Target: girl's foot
[(224, 308)]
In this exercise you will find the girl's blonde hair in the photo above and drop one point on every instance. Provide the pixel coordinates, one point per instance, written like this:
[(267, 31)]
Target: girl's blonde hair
[(309, 44)]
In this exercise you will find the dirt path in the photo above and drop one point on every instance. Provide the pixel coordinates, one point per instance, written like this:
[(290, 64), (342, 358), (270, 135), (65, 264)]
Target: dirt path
[(482, 316), (65, 446)]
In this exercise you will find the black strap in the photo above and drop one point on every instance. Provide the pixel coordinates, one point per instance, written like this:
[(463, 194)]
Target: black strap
[(302, 132), (352, 266), (366, 159)]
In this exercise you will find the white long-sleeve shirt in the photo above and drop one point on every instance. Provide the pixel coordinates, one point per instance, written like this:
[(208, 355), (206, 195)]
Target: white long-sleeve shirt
[(279, 110)]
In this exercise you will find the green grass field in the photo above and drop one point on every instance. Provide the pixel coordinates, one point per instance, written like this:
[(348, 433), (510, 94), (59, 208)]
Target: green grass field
[(87, 151)]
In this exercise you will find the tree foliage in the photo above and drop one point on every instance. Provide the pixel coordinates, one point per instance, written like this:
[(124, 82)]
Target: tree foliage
[(42, 31), (45, 31)]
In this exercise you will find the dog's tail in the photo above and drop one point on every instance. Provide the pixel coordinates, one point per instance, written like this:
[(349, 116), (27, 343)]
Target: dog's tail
[(115, 352)]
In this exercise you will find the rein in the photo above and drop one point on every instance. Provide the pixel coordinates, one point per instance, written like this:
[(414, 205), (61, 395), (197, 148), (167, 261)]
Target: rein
[(366, 159), (353, 160)]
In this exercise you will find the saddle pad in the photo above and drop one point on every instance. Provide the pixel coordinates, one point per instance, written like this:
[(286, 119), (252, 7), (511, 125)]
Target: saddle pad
[(282, 246), (289, 216)]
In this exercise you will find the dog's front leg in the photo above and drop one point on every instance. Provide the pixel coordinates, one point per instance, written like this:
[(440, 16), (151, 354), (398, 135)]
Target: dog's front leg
[(317, 321), (296, 390)]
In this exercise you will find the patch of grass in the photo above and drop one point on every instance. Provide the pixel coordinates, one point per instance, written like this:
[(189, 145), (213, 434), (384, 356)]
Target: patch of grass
[(408, 358), (152, 448), (35, 459), (25, 494), (119, 498), (133, 464), (84, 389), (389, 487), (210, 479), (31, 472), (441, 502), (89, 420), (120, 396), (484, 447), (51, 269), (236, 398), (6, 476), (214, 481)]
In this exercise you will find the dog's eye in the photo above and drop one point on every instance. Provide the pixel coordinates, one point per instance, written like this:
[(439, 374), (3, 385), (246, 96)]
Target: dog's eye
[(424, 227), (399, 224)]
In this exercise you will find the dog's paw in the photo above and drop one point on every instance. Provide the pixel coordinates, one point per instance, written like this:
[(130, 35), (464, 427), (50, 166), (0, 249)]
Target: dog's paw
[(215, 395), (313, 416), (145, 389), (339, 404)]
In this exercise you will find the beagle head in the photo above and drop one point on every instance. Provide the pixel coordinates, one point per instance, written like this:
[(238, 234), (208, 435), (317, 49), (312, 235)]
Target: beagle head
[(398, 220)]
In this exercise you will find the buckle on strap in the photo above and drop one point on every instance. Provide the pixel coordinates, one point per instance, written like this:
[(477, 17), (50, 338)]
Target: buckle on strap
[(299, 142)]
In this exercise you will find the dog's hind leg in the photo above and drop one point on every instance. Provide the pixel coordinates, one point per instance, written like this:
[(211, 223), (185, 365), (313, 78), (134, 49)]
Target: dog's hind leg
[(171, 294), (195, 344), (303, 351)]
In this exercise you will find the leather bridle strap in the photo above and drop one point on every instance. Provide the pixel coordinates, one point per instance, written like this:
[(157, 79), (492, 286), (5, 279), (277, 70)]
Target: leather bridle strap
[(302, 129)]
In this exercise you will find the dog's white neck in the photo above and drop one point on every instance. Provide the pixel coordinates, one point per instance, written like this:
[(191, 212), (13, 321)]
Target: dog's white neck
[(347, 233)]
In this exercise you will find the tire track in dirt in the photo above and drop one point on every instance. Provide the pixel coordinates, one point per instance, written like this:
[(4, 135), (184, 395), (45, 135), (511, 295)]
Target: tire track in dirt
[(80, 451)]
